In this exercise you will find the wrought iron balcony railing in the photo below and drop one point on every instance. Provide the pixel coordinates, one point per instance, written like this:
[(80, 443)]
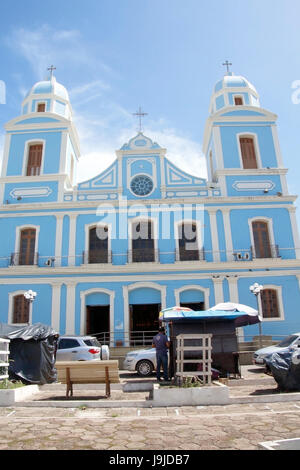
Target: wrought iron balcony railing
[(24, 259), (189, 255), (143, 255), (267, 251), (96, 256)]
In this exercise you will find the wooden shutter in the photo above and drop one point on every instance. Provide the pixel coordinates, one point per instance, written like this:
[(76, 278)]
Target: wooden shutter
[(34, 160), (41, 108), (21, 309), (261, 239), (269, 302), (142, 242), (238, 101), (188, 243), (248, 152), (27, 247)]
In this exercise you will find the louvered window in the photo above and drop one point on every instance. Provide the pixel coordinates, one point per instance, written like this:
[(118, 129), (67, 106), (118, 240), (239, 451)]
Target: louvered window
[(21, 309), (34, 160), (248, 153)]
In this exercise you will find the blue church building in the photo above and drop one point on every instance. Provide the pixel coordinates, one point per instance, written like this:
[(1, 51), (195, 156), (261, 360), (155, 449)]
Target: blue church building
[(107, 254)]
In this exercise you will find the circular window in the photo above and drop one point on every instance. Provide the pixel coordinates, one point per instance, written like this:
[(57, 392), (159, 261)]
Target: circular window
[(141, 185)]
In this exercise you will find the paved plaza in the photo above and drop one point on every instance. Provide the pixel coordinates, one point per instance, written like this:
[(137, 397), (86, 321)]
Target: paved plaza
[(233, 427), (80, 427)]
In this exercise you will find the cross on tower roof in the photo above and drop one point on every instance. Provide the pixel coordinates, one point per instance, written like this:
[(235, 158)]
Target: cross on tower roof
[(140, 115), (227, 65), (51, 68)]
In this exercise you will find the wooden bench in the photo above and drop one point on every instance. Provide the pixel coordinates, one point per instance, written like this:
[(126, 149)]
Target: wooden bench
[(87, 372)]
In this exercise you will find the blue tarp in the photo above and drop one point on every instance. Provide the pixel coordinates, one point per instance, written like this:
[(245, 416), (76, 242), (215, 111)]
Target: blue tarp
[(240, 318)]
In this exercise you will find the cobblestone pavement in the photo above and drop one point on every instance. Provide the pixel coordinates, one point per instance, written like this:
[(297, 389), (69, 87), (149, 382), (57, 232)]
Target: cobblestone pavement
[(232, 427)]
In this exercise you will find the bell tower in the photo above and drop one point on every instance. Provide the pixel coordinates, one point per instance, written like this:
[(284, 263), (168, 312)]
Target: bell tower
[(241, 142), (41, 147)]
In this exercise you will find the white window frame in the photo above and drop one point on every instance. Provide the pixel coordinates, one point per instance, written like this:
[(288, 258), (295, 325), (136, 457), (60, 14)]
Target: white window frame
[(204, 290), (28, 143), (177, 224), (278, 289), (19, 229), (11, 296), (87, 229), (154, 232), (269, 221), (250, 135)]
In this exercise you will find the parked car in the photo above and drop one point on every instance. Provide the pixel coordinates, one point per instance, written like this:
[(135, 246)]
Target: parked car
[(283, 346), (143, 361), (80, 348)]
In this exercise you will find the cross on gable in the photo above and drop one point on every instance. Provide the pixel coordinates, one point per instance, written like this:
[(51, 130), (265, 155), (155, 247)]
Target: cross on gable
[(140, 114)]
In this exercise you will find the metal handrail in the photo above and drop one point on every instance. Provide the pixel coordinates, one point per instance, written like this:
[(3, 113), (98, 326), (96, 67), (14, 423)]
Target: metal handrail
[(270, 251), (96, 256), (131, 338), (182, 254), (19, 259)]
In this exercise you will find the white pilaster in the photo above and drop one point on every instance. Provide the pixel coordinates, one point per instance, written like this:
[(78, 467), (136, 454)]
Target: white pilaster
[(70, 308), (294, 225), (214, 233), (55, 313), (233, 289), (58, 239), (228, 237), (218, 289), (72, 240)]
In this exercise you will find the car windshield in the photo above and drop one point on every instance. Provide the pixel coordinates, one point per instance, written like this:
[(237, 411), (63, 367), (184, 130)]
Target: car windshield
[(287, 341), (92, 342)]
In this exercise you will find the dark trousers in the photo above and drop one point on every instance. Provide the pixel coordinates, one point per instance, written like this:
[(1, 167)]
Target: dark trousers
[(162, 359)]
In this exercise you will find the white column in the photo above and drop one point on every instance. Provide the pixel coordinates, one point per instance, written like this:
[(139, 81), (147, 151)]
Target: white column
[(70, 308), (55, 312), (227, 230), (214, 233), (72, 240), (218, 288), (233, 289), (126, 315), (58, 239), (292, 211)]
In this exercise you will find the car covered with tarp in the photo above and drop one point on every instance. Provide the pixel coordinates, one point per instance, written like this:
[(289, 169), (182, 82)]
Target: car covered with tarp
[(285, 368), (32, 352)]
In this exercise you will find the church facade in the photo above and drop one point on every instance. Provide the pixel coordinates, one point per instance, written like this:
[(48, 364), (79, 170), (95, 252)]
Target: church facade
[(107, 254)]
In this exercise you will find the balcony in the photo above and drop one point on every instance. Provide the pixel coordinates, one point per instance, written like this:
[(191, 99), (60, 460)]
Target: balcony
[(267, 251), (24, 259), (97, 256), (140, 255), (189, 255)]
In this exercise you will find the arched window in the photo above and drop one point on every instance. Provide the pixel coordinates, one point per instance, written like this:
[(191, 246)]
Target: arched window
[(143, 249), (248, 152), (261, 237), (20, 309), (269, 303), (98, 244), (34, 161), (27, 246), (187, 242)]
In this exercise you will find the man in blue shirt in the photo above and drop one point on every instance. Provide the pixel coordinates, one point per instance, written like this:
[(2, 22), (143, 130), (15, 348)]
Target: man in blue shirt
[(161, 343)]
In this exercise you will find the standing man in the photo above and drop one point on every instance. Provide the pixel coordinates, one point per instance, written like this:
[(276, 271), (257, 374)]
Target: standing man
[(161, 343)]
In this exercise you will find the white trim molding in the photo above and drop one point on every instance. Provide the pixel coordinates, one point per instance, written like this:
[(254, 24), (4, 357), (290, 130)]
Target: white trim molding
[(138, 285), (278, 289), (11, 296), (204, 290), (83, 317)]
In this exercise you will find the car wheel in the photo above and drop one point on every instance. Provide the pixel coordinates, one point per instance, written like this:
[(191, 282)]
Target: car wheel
[(144, 368)]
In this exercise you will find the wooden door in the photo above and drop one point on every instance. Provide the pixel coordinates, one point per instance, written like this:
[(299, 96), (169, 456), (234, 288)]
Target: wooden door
[(27, 246), (248, 153), (269, 302), (34, 160), (261, 237), (21, 309)]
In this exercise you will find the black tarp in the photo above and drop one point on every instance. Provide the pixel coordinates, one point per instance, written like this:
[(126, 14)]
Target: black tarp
[(32, 352), (285, 368)]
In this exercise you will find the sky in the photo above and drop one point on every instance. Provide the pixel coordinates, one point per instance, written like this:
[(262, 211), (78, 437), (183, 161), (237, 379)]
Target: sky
[(163, 55)]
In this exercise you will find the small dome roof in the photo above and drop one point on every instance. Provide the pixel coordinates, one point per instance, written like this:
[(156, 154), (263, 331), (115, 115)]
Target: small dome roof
[(233, 81), (49, 86)]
